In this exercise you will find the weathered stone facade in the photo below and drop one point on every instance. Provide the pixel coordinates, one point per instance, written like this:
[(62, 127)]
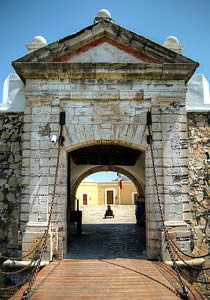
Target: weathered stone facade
[(199, 171), (106, 79), (11, 163), (11, 130), (199, 132), (110, 120)]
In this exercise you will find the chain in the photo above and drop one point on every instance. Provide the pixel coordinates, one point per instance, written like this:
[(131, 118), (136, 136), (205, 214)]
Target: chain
[(27, 293), (168, 246), (13, 287), (158, 267), (184, 261), (195, 280), (172, 273), (200, 204), (201, 256), (24, 256), (143, 274), (41, 247), (31, 264)]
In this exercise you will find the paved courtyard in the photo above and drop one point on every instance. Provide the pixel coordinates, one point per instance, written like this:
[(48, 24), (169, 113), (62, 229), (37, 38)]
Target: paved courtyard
[(124, 214), (109, 238)]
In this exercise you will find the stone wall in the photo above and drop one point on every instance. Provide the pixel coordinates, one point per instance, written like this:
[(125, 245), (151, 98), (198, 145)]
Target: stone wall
[(199, 132), (11, 127), (103, 111)]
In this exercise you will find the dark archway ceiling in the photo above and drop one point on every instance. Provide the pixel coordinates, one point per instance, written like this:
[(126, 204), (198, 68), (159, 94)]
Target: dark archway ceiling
[(105, 155)]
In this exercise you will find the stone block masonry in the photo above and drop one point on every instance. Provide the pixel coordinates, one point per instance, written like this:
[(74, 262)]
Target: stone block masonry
[(11, 130), (38, 165), (103, 111)]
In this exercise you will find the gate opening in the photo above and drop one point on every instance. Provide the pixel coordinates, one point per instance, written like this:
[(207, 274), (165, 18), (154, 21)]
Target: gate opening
[(113, 222)]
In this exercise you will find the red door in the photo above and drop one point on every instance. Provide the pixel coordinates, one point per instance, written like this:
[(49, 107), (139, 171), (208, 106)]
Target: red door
[(110, 197), (84, 200)]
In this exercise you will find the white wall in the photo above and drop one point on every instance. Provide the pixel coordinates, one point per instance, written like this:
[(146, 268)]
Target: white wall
[(13, 94), (198, 97)]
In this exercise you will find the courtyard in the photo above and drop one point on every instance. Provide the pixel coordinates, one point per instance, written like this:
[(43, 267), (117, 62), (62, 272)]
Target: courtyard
[(118, 237)]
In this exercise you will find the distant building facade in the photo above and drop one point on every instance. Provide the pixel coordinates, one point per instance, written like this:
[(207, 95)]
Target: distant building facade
[(104, 193)]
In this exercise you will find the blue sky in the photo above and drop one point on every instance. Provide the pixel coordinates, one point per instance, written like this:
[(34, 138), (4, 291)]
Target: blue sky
[(103, 176), (21, 20)]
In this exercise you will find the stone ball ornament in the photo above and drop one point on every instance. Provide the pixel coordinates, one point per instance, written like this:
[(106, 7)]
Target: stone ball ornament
[(173, 40), (172, 43), (39, 40), (103, 14)]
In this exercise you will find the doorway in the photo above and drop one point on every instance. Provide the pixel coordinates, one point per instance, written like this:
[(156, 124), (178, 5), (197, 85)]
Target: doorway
[(104, 237), (109, 197), (119, 232), (84, 199)]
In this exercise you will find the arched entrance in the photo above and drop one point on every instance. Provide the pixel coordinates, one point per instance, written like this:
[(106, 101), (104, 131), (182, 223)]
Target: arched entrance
[(108, 157), (117, 169)]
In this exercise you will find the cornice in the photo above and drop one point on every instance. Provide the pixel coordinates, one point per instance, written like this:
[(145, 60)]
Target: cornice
[(110, 71)]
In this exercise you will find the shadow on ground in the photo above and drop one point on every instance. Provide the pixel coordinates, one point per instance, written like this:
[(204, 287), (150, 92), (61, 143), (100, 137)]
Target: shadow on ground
[(109, 241)]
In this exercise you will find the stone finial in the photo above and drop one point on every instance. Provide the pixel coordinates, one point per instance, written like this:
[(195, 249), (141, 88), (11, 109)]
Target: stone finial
[(172, 43), (103, 14), (37, 42)]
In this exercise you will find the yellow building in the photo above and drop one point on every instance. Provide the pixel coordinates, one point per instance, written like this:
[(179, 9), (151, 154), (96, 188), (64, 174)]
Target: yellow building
[(103, 193)]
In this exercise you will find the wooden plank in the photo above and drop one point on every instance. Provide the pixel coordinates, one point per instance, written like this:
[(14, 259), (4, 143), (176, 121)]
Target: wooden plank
[(116, 279)]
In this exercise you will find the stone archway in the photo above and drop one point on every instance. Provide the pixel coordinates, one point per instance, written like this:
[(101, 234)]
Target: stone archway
[(94, 157), (129, 232), (88, 159), (139, 185)]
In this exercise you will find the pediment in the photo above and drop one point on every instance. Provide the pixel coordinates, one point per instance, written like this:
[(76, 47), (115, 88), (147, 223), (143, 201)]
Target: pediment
[(104, 50), (105, 42)]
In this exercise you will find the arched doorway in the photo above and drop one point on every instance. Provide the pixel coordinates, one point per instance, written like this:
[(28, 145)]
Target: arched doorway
[(85, 161)]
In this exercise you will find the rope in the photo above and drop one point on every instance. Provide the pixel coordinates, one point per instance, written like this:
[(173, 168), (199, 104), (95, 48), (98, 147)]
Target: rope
[(15, 286), (194, 280), (164, 275), (33, 250), (168, 246), (145, 275), (169, 270), (27, 293), (188, 255), (195, 200), (19, 271), (192, 267), (26, 255)]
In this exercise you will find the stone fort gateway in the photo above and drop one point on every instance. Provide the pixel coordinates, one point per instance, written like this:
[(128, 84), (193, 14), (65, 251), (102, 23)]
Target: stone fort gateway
[(103, 99)]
